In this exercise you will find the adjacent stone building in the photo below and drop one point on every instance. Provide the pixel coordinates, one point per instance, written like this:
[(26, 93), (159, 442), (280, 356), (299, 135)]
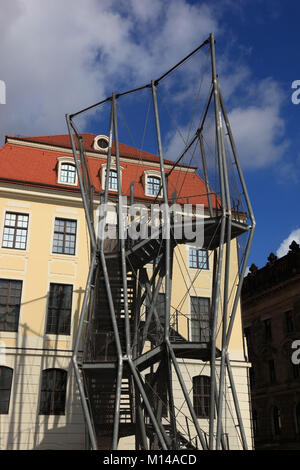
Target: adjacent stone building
[(271, 316)]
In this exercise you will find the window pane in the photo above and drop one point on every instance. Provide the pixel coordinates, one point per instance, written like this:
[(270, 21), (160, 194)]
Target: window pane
[(113, 180), (198, 258), (67, 173), (10, 300), (153, 185), (64, 239), (59, 309), (200, 319), (5, 388), (201, 395), (15, 231), (53, 392)]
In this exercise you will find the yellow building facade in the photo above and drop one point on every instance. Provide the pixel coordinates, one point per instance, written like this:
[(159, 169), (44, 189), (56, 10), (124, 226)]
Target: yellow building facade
[(44, 254)]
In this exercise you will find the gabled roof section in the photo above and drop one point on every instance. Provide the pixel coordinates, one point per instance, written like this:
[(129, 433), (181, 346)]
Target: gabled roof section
[(36, 166), (63, 141)]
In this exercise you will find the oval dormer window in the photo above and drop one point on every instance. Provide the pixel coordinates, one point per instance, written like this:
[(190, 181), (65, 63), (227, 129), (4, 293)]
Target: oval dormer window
[(101, 142)]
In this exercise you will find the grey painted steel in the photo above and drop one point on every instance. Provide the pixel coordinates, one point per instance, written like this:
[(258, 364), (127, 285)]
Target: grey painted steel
[(203, 157), (108, 291), (221, 242), (166, 214), (164, 353), (236, 403), (83, 194), (226, 291), (186, 395)]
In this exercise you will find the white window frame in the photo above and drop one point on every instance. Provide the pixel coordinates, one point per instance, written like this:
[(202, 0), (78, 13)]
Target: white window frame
[(156, 174), (97, 147), (69, 161), (113, 167)]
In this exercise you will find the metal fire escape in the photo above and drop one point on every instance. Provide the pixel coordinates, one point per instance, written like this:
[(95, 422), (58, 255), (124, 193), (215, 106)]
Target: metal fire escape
[(125, 360)]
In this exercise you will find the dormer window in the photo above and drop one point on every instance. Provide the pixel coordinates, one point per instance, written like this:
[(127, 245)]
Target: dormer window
[(112, 178), (101, 143), (153, 184), (67, 171)]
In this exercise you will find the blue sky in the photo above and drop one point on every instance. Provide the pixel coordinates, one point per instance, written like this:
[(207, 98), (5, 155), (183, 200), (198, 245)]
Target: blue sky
[(57, 57)]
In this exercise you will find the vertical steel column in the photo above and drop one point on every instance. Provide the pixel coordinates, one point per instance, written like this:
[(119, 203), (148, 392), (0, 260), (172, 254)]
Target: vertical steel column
[(83, 194), (124, 275), (166, 213), (222, 235), (236, 404), (86, 294), (108, 291), (203, 157), (251, 216), (225, 297)]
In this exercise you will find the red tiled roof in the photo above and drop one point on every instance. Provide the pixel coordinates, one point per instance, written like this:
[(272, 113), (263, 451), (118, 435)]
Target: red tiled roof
[(88, 143), (37, 166)]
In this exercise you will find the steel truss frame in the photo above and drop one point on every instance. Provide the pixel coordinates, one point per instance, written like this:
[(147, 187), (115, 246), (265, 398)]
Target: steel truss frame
[(129, 360)]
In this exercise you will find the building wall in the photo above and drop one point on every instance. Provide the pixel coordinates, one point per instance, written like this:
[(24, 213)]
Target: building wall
[(283, 391), (30, 350)]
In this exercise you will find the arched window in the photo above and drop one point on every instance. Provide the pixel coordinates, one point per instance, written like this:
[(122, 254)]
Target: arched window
[(276, 420), (67, 173), (6, 374), (53, 392), (113, 180), (201, 395), (153, 185)]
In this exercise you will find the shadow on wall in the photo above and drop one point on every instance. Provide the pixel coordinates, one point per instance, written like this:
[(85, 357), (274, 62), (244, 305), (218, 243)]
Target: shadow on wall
[(27, 428)]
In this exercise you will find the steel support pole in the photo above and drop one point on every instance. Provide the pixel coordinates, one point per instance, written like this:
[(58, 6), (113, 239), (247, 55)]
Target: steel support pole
[(222, 235), (83, 194), (205, 173), (251, 216), (80, 385), (186, 395), (166, 214), (236, 403), (226, 291), (109, 294)]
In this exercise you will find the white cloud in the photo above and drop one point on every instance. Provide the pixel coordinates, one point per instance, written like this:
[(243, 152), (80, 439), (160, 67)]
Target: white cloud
[(258, 129), (284, 246), (57, 57)]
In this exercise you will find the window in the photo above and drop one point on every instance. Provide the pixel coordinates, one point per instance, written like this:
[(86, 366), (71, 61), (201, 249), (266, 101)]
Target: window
[(272, 373), (268, 329), (200, 319), (153, 185), (67, 173), (101, 142), (59, 309), (289, 322), (155, 393), (15, 231), (113, 180), (10, 300), (201, 395), (64, 236), (198, 259), (160, 309), (276, 420), (53, 392), (5, 388)]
